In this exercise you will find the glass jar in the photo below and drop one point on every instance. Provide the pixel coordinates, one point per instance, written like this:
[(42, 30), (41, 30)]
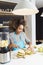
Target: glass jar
[(4, 42), (4, 36)]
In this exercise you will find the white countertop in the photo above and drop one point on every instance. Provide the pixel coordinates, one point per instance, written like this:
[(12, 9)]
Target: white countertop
[(34, 59)]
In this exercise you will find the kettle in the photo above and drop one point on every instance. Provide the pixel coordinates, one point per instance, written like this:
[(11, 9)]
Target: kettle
[(5, 55)]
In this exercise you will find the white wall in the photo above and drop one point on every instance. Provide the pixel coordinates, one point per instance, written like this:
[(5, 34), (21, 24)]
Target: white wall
[(31, 28), (28, 28), (39, 3), (14, 1)]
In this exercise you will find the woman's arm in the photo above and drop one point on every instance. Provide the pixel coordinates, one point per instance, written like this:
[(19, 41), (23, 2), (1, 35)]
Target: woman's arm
[(12, 45), (29, 43), (27, 39)]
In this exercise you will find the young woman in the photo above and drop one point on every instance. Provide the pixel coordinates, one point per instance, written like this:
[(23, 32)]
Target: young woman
[(18, 38)]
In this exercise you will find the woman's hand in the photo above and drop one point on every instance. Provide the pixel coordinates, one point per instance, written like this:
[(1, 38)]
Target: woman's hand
[(30, 47), (11, 45)]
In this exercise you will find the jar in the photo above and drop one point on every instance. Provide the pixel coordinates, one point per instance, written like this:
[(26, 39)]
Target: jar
[(4, 42)]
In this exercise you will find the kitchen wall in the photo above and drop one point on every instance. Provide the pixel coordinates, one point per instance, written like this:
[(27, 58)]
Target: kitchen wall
[(31, 26), (39, 3), (28, 28), (14, 1)]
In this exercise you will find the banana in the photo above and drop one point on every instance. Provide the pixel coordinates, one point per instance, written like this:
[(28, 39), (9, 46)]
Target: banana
[(21, 54), (28, 52), (4, 43)]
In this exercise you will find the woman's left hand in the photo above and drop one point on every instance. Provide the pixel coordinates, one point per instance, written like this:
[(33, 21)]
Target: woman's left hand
[(31, 48)]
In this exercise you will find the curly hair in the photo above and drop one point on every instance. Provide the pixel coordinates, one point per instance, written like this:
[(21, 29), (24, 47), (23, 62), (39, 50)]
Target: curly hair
[(17, 23)]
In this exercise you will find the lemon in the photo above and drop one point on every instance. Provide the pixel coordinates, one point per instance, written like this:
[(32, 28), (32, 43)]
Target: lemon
[(40, 49)]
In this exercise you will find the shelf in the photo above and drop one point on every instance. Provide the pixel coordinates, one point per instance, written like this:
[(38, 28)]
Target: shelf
[(3, 26), (4, 6), (6, 13)]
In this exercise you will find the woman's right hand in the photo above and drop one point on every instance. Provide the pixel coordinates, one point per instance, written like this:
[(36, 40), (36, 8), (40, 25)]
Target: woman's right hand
[(14, 45), (11, 45)]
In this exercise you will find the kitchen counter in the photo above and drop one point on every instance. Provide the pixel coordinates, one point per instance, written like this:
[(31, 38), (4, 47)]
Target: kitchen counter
[(34, 59)]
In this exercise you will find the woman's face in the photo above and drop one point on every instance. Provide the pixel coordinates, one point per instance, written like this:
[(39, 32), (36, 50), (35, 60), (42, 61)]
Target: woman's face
[(19, 29)]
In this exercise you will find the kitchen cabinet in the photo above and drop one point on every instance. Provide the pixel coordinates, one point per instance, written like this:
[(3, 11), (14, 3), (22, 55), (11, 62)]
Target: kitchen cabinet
[(5, 11)]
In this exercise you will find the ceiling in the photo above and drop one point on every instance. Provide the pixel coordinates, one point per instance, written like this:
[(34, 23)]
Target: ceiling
[(39, 3)]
